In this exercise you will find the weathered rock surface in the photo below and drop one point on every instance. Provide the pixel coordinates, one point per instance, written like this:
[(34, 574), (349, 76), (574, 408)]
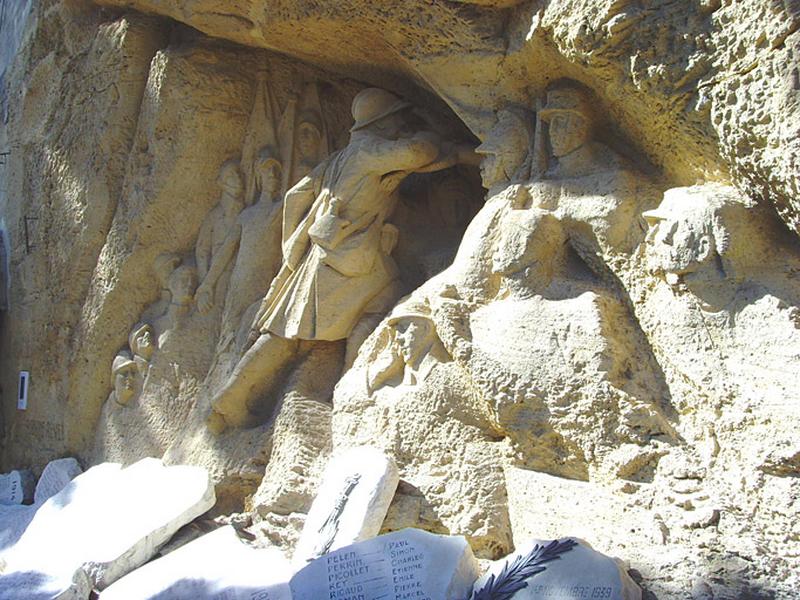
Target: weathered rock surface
[(676, 75), (603, 344), (105, 523)]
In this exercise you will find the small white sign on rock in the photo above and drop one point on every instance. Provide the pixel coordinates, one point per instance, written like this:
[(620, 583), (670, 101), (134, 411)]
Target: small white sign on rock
[(105, 523), (16, 487), (215, 566), (581, 573), (351, 504), (55, 477), (406, 564)]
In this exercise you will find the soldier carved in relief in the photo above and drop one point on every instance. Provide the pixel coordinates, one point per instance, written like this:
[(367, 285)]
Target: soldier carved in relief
[(336, 247)]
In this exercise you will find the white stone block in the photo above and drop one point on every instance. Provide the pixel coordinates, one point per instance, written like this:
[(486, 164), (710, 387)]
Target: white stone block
[(581, 573), (55, 477), (14, 519), (16, 487), (410, 563), (216, 565), (351, 504), (105, 523)]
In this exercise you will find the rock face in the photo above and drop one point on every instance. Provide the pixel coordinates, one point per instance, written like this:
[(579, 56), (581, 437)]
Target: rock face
[(542, 255), (105, 523)]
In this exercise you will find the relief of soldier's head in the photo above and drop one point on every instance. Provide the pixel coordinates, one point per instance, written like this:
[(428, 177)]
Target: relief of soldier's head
[(124, 371), (568, 112), (413, 333), (230, 178), (412, 347), (182, 285), (506, 146), (707, 231), (378, 111), (268, 172), (309, 135)]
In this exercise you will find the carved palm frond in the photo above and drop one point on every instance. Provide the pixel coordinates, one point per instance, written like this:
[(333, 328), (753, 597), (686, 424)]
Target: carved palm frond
[(514, 575)]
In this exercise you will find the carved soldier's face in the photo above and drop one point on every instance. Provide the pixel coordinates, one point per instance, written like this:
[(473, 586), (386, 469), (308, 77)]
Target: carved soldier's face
[(182, 285), (230, 181), (491, 167), (270, 176), (308, 140), (504, 149), (677, 246), (143, 343), (412, 335), (389, 127), (125, 383), (568, 132)]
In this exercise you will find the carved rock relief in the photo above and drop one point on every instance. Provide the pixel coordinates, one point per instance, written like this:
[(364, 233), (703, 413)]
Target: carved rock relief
[(545, 342), (603, 326)]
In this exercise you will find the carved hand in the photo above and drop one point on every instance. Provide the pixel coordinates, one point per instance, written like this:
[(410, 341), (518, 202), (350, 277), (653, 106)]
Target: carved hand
[(205, 299), (389, 235)]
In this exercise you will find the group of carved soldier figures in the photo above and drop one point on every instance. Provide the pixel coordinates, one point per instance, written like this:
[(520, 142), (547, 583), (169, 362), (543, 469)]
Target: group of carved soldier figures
[(311, 257)]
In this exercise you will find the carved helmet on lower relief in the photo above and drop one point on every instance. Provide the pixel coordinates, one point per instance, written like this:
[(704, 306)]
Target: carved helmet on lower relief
[(269, 156), (372, 104), (409, 309), (122, 361)]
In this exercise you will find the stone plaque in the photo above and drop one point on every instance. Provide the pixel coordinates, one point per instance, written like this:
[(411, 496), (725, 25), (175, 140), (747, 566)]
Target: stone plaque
[(352, 502), (102, 525), (406, 564), (579, 574), (16, 487), (216, 566), (55, 477)]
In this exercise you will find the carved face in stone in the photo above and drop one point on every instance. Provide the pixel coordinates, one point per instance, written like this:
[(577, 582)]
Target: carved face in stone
[(568, 132), (269, 176), (182, 285), (680, 238), (504, 149), (124, 371), (413, 336), (125, 384), (389, 127), (308, 140), (229, 178), (569, 112), (676, 247), (164, 265), (142, 341)]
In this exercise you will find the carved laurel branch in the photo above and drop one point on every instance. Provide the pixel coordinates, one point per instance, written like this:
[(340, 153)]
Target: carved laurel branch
[(513, 577)]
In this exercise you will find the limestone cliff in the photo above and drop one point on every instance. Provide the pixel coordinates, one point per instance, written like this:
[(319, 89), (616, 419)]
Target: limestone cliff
[(593, 332)]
